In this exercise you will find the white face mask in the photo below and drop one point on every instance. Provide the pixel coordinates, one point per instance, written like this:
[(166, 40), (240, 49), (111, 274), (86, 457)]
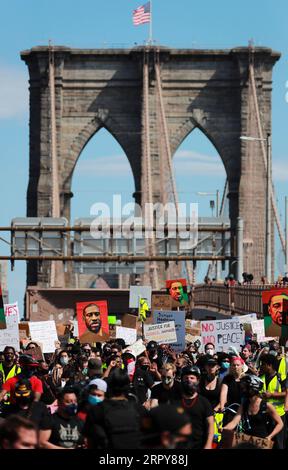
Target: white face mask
[(211, 352)]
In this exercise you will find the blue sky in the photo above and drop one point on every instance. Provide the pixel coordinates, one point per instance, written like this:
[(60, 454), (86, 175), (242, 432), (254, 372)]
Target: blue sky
[(93, 24)]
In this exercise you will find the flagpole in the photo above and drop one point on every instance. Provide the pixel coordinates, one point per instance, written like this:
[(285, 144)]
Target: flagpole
[(150, 42)]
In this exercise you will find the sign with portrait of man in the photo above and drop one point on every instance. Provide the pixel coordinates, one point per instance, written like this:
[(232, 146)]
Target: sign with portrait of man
[(92, 318), (275, 309), (177, 289)]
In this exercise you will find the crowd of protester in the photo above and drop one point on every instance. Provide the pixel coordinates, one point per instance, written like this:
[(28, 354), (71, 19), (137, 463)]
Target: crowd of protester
[(103, 397)]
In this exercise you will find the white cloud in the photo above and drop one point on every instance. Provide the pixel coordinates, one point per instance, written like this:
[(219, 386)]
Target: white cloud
[(280, 171), (196, 163), (14, 94), (104, 166)]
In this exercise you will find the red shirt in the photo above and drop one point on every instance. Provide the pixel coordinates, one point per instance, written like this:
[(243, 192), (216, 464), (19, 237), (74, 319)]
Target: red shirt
[(9, 386)]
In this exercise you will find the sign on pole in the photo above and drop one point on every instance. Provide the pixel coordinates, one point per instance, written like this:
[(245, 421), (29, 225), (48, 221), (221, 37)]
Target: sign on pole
[(164, 316), (223, 334), (162, 333)]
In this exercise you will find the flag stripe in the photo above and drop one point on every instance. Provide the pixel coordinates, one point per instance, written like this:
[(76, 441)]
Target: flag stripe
[(142, 14)]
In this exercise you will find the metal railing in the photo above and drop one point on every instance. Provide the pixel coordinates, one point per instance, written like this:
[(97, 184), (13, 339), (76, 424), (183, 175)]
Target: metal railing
[(236, 299)]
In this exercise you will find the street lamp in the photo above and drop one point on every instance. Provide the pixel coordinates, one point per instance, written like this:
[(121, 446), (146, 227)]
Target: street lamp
[(201, 193), (268, 261)]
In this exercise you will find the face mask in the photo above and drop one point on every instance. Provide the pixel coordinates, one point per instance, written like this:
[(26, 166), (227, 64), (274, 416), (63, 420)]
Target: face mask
[(190, 388), (23, 401), (144, 367), (93, 400), (210, 352), (273, 353), (64, 361), (167, 380), (85, 371), (27, 372), (71, 410), (225, 365), (210, 377)]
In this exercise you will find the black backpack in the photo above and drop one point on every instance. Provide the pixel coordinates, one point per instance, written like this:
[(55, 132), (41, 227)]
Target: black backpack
[(122, 424)]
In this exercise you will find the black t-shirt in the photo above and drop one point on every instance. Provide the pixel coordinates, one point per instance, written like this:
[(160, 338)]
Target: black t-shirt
[(37, 413), (163, 395), (234, 390), (113, 424), (213, 396), (199, 409), (142, 381), (65, 432)]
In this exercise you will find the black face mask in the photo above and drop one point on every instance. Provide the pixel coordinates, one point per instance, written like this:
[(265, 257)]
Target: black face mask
[(190, 388), (24, 401), (27, 372), (144, 367), (210, 377)]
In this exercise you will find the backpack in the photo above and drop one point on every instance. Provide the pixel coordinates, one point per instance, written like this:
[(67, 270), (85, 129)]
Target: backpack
[(121, 418)]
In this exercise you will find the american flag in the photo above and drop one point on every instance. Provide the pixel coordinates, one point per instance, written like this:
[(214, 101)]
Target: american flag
[(142, 14)]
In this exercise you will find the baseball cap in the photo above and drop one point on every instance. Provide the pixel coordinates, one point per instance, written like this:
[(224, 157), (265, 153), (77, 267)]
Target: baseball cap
[(210, 361), (151, 345), (23, 389), (100, 384)]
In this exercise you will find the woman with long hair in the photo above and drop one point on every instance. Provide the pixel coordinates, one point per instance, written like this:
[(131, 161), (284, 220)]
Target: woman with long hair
[(255, 416), (230, 389)]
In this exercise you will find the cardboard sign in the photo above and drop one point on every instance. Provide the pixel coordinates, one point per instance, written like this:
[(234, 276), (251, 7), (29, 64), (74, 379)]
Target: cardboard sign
[(161, 302), (223, 334), (193, 327), (163, 316), (92, 320), (260, 442), (45, 333), (137, 292), (129, 321), (162, 333), (10, 335), (24, 332), (137, 348), (128, 334), (36, 353)]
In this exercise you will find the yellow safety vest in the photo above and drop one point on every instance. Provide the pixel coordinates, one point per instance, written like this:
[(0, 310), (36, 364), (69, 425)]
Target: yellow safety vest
[(274, 386), (15, 370), (12, 372), (282, 369)]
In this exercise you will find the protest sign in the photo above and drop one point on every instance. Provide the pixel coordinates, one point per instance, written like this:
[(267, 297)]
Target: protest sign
[(164, 316), (177, 288), (129, 321), (161, 302), (139, 292), (163, 333), (275, 310), (223, 334), (193, 327), (35, 352), (10, 335), (24, 332), (45, 333), (260, 442), (128, 334), (92, 320), (258, 329), (136, 348), (12, 309)]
